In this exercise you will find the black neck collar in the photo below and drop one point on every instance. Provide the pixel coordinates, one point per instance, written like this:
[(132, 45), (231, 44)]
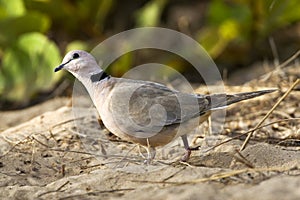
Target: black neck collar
[(99, 76)]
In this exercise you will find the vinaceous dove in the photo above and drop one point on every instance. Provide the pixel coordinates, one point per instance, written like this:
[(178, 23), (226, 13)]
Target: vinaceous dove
[(143, 112)]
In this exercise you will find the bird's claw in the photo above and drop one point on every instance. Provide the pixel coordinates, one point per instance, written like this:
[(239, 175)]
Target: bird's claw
[(188, 152)]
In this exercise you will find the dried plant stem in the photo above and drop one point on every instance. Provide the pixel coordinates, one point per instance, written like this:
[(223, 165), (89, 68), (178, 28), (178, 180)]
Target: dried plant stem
[(293, 57), (269, 113), (238, 136), (284, 64), (221, 175)]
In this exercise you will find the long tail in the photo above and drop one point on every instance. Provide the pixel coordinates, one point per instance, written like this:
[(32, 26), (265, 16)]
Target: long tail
[(219, 101)]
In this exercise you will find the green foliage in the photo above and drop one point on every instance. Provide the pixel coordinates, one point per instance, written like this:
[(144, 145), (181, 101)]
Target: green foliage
[(13, 8), (240, 22), (27, 67), (13, 27), (77, 44), (150, 14), (28, 56), (15, 20), (75, 17), (278, 15)]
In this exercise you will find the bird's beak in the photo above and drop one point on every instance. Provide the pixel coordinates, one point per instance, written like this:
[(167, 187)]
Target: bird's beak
[(59, 68)]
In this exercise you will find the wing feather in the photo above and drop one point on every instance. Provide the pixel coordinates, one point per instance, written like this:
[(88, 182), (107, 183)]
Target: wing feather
[(154, 104)]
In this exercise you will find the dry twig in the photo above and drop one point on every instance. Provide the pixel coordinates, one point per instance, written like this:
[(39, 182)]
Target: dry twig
[(284, 64), (238, 136), (269, 113), (57, 190), (220, 175)]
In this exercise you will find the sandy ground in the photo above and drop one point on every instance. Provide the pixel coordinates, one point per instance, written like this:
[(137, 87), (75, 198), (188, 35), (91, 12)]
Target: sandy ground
[(59, 155)]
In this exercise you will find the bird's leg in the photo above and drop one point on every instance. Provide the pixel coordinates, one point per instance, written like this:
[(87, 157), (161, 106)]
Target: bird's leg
[(209, 123), (140, 152), (188, 149), (150, 153)]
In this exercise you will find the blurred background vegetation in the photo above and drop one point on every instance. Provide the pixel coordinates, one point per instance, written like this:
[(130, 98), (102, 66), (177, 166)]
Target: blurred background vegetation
[(35, 34)]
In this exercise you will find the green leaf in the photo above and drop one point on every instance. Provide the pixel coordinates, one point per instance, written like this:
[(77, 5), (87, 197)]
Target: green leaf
[(11, 8), (28, 65), (281, 13), (13, 27), (150, 14)]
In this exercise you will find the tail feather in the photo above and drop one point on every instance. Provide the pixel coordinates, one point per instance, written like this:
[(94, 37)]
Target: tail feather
[(222, 100)]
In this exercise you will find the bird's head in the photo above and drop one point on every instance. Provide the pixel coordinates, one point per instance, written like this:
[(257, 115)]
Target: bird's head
[(78, 62)]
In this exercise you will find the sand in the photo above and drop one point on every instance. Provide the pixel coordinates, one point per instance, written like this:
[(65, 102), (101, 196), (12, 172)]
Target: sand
[(57, 155)]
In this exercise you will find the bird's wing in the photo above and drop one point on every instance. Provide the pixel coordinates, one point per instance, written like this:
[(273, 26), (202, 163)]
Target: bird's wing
[(138, 104), (151, 104)]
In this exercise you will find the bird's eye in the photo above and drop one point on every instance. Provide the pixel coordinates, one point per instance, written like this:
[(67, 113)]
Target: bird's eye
[(75, 55)]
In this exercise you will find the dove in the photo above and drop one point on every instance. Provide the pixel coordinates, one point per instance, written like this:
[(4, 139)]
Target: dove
[(142, 112)]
